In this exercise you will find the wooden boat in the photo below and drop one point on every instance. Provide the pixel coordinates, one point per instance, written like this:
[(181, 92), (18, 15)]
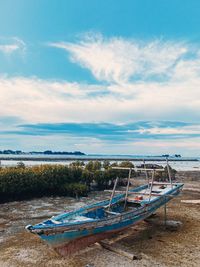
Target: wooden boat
[(72, 231)]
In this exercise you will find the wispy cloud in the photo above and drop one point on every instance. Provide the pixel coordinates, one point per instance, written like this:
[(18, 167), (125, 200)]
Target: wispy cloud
[(10, 45), (119, 60)]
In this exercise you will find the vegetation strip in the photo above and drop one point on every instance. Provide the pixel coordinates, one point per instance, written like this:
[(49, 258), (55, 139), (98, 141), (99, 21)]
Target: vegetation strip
[(76, 179)]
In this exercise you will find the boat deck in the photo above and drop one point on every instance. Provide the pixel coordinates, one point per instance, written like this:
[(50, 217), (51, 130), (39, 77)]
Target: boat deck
[(147, 194)]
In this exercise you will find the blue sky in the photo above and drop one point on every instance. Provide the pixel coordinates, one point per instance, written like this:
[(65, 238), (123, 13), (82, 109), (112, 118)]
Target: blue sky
[(100, 76)]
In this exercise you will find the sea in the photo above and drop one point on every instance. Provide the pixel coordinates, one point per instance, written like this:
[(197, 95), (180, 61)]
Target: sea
[(181, 164)]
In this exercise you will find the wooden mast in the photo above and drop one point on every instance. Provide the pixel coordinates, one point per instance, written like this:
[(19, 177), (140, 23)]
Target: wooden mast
[(113, 192), (169, 173), (127, 188), (146, 173), (151, 187)]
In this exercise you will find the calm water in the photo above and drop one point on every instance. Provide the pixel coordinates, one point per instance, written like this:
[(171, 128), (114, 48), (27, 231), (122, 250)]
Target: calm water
[(178, 165)]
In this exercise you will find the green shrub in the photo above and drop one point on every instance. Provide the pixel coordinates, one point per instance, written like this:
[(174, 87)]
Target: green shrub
[(23, 182), (75, 189), (164, 176)]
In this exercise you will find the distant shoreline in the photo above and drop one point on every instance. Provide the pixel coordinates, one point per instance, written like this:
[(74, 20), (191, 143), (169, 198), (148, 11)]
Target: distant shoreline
[(47, 152), (58, 159)]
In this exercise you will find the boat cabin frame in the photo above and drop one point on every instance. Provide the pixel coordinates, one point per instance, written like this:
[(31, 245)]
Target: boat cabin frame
[(150, 182)]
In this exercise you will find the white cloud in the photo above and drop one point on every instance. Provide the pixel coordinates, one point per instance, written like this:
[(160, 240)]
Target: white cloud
[(35, 100), (118, 60), (184, 130), (10, 45)]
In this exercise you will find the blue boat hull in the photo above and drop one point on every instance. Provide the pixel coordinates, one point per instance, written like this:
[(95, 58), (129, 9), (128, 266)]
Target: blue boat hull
[(67, 240)]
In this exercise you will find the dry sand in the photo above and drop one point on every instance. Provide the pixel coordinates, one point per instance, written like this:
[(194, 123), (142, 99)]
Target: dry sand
[(156, 245)]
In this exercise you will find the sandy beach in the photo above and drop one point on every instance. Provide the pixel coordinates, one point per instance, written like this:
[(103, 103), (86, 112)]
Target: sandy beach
[(151, 242)]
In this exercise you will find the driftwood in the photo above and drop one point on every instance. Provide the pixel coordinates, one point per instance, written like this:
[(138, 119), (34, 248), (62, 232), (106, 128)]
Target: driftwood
[(118, 250), (191, 201)]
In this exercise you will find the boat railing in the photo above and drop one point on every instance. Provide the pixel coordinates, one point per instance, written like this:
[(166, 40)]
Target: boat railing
[(138, 169), (138, 193)]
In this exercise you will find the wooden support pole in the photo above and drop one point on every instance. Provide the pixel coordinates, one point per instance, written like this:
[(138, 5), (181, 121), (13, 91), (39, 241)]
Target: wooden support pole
[(119, 251), (165, 214)]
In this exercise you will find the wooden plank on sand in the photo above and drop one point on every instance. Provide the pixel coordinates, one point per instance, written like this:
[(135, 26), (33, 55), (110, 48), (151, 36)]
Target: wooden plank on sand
[(197, 190), (118, 250), (191, 201)]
